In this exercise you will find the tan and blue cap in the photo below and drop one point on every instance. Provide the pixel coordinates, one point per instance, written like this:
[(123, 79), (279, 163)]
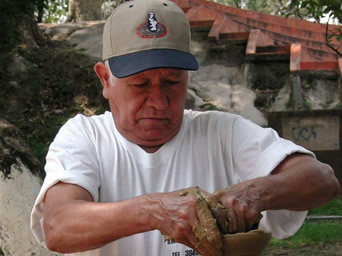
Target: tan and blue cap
[(147, 34)]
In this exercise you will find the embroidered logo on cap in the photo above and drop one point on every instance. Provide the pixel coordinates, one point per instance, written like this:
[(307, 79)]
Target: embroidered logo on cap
[(152, 28)]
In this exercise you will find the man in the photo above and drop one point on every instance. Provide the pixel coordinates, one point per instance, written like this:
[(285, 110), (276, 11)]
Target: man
[(116, 183)]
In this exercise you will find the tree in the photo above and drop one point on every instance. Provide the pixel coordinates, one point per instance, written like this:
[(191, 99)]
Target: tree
[(18, 25), (81, 10), (55, 11), (264, 6), (318, 10)]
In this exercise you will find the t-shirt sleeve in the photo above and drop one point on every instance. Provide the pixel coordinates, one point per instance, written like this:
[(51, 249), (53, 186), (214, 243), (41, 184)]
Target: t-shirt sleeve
[(71, 159), (257, 151)]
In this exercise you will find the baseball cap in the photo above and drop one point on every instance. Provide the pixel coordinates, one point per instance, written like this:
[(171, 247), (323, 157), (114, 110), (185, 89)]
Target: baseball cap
[(146, 34)]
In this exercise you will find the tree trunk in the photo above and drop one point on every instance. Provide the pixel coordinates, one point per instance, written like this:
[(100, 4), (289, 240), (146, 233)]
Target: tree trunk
[(18, 26), (84, 10), (40, 9)]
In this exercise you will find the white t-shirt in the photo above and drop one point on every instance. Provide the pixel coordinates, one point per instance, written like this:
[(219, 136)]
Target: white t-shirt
[(212, 150)]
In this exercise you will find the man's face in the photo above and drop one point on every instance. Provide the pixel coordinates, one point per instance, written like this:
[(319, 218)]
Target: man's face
[(148, 107)]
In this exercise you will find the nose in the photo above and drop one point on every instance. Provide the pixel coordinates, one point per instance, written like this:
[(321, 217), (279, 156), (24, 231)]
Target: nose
[(158, 98)]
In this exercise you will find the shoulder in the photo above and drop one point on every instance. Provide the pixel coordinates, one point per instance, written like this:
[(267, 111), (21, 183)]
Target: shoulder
[(210, 116), (86, 127), (211, 124), (82, 122), (81, 119), (223, 124)]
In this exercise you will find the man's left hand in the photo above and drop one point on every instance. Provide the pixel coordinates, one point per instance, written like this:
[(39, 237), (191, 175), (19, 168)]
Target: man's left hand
[(244, 204)]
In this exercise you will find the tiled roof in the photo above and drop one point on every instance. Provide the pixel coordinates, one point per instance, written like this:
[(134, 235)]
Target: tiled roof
[(302, 42)]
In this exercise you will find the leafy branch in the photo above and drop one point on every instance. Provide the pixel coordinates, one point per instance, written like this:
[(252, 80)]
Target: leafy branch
[(319, 9)]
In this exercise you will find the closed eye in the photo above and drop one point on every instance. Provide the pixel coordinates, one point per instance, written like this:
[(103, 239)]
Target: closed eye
[(172, 82), (140, 85)]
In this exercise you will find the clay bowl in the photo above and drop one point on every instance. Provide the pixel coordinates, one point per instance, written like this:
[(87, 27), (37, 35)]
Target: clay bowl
[(251, 243)]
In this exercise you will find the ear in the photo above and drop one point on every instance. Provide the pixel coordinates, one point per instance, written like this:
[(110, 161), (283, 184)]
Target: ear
[(103, 73)]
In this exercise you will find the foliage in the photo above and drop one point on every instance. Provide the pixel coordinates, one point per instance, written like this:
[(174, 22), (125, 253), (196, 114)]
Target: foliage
[(67, 85), (318, 9), (264, 6), (57, 83), (55, 11)]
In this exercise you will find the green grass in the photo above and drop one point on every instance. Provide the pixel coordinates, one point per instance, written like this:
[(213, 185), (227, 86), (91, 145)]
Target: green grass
[(318, 238), (313, 232), (334, 207)]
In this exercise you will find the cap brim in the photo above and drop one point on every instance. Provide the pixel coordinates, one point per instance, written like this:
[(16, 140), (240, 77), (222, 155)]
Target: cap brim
[(133, 63)]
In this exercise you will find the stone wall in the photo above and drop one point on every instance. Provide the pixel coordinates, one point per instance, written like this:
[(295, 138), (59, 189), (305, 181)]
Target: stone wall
[(319, 131)]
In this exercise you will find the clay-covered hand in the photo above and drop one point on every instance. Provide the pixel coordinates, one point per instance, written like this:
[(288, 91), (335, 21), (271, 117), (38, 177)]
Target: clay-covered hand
[(205, 229), (184, 216), (218, 211), (244, 204)]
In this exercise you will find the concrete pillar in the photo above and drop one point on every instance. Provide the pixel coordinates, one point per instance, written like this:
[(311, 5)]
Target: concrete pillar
[(339, 88), (297, 92), (339, 66), (248, 75)]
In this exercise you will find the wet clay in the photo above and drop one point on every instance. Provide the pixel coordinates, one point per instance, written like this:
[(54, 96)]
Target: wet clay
[(214, 217)]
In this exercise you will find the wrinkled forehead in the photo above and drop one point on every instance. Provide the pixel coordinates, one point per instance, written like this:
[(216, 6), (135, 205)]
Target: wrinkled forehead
[(161, 73)]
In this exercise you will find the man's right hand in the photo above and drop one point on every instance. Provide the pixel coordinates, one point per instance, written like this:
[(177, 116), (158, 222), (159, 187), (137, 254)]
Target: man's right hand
[(184, 216)]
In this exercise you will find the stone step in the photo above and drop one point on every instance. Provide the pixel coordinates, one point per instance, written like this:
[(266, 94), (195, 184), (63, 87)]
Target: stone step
[(221, 25), (290, 24)]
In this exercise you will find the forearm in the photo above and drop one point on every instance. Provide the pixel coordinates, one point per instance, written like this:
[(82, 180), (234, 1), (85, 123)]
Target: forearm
[(302, 185), (82, 225), (299, 183), (73, 223)]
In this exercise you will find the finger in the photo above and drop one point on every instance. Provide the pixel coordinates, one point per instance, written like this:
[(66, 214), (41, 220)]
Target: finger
[(250, 224), (199, 238), (201, 249), (208, 240), (192, 241), (205, 227), (253, 218), (221, 214), (210, 249), (210, 231), (241, 217), (233, 224), (204, 247)]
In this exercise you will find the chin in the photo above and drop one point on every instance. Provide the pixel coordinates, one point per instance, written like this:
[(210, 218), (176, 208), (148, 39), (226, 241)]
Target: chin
[(156, 137)]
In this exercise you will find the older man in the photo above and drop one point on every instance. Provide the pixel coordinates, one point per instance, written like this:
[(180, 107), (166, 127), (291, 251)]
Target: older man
[(117, 182)]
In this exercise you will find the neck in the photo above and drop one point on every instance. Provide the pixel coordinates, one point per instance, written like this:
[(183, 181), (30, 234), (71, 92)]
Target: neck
[(151, 149)]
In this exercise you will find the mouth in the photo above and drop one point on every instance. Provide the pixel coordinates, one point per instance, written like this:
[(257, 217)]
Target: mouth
[(153, 120)]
